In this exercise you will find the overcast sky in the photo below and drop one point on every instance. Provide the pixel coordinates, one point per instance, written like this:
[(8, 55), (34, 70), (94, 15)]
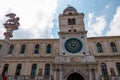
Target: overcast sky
[(39, 18)]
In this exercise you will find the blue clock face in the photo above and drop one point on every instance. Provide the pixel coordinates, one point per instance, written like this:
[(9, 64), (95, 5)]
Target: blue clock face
[(73, 45)]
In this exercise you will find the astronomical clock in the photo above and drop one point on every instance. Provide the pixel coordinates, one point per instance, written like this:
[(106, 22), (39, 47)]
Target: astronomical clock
[(73, 45)]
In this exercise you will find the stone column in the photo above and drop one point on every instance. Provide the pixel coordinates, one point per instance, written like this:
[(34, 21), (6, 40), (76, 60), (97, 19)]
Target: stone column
[(12, 68), (96, 75), (61, 76), (90, 75), (55, 74), (11, 24)]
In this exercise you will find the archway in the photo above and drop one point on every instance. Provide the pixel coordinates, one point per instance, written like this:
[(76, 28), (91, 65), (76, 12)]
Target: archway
[(75, 76)]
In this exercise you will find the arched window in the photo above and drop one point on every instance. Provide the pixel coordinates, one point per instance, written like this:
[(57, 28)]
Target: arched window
[(103, 69), (47, 70), (36, 50), (18, 69), (113, 47), (11, 48), (0, 47), (49, 47), (22, 49), (118, 67), (69, 21), (33, 71), (5, 69), (73, 21), (99, 48)]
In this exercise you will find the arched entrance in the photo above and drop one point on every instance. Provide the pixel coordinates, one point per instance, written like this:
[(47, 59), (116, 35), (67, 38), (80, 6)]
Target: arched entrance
[(75, 76)]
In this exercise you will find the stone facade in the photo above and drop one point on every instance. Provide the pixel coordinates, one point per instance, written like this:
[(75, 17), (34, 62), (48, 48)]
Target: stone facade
[(71, 57)]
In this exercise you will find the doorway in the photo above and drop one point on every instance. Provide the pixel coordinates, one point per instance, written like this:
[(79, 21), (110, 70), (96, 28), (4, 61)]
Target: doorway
[(75, 76)]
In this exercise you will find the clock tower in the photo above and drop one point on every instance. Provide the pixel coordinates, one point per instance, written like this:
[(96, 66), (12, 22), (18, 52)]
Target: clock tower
[(73, 60), (72, 35)]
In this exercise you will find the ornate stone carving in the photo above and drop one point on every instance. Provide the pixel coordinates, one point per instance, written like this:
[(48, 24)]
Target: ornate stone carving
[(12, 19), (11, 24), (74, 59)]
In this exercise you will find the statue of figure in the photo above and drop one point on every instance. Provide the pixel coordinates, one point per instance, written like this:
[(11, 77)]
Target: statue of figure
[(40, 72), (12, 19), (52, 78), (112, 71)]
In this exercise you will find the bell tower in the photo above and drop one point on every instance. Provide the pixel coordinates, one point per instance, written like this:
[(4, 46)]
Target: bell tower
[(71, 20), (72, 32), (73, 52)]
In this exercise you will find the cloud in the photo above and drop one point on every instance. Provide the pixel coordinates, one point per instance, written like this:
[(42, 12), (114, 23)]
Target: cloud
[(107, 6), (96, 25), (90, 16), (36, 17), (115, 24)]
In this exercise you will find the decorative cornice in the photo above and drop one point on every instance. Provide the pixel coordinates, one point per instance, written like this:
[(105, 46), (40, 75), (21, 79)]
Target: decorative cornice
[(79, 32), (31, 40), (108, 56), (104, 37), (29, 58)]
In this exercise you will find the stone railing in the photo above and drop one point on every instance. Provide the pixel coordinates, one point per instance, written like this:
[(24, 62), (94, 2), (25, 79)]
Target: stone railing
[(25, 77), (110, 77)]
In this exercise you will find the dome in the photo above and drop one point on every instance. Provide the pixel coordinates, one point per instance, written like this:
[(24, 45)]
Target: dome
[(70, 10)]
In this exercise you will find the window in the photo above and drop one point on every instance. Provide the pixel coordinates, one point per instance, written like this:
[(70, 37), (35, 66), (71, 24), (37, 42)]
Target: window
[(69, 30), (75, 30), (70, 13), (49, 48), (33, 70), (99, 48), (118, 67), (22, 49), (36, 50), (5, 69), (103, 69), (18, 69), (47, 70), (11, 48), (113, 47), (71, 21)]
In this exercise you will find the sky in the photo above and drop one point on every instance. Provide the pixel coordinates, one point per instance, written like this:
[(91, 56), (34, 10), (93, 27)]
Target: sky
[(39, 18)]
